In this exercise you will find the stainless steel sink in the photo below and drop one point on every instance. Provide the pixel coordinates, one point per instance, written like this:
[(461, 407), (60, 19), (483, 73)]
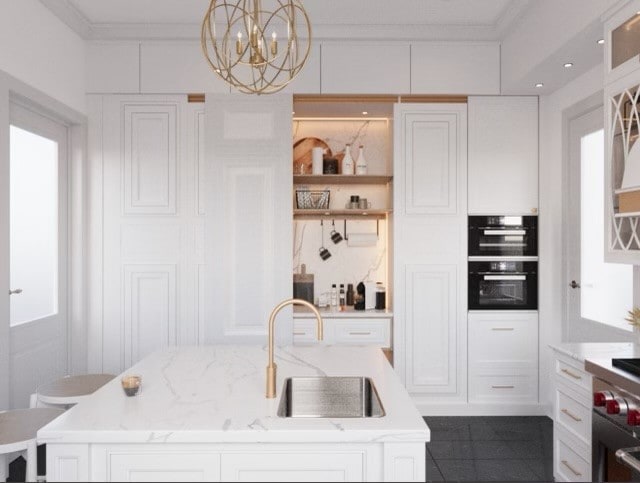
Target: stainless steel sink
[(330, 397)]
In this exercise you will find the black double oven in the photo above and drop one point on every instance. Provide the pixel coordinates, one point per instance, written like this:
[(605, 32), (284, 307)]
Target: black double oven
[(503, 263)]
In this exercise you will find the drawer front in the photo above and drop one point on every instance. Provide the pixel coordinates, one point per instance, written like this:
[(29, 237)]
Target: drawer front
[(305, 331), (362, 332), (573, 375), (569, 465), (573, 416), (517, 388)]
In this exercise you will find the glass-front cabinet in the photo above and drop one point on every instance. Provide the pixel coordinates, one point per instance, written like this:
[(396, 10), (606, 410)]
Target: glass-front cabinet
[(622, 149)]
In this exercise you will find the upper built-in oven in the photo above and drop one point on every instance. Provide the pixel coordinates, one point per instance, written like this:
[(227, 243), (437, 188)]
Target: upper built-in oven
[(503, 236)]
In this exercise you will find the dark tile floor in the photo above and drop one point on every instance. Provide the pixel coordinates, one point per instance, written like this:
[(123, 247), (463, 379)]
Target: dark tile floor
[(490, 449)]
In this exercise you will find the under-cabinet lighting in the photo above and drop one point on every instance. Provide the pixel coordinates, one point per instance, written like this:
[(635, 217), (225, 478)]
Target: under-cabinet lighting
[(568, 65), (365, 113), (385, 119)]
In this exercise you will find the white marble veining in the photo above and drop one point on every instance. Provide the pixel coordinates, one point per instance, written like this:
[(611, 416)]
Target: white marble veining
[(300, 312), (216, 395), (583, 351)]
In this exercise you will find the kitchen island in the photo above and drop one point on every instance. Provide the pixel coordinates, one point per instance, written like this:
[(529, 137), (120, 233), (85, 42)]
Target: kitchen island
[(202, 415)]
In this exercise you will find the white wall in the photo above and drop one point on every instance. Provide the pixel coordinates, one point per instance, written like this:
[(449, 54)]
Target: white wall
[(552, 160), (38, 49)]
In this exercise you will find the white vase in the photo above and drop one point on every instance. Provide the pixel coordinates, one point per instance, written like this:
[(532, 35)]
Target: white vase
[(347, 161), (361, 163)]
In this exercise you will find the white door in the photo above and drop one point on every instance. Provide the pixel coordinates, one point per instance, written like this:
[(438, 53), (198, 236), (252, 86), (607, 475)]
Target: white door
[(37, 252), (597, 292)]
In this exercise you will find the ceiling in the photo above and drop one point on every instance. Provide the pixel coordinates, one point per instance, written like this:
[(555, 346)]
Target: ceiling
[(428, 19)]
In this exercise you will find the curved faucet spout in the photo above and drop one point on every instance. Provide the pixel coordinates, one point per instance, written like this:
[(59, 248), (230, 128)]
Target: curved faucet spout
[(271, 368)]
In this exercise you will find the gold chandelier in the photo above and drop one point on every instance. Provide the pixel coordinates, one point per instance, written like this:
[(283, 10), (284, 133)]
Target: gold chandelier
[(256, 46)]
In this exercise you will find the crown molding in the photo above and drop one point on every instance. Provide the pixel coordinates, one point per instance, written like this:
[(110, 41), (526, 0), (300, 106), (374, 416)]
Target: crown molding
[(71, 16)]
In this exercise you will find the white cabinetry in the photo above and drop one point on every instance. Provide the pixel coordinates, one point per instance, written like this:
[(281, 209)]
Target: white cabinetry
[(503, 155), (366, 68), (248, 222), (430, 245), (344, 331), (572, 420), (503, 357)]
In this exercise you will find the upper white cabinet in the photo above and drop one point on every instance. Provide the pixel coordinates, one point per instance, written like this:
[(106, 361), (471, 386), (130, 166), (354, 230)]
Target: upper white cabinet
[(249, 234), (308, 81), (366, 68), (455, 68), (430, 283), (503, 155)]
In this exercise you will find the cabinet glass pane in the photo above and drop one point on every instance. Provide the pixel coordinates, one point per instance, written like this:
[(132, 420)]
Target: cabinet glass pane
[(33, 226), (607, 288), (625, 41)]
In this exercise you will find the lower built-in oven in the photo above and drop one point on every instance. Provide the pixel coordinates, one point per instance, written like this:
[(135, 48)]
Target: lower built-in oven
[(503, 285), (615, 434)]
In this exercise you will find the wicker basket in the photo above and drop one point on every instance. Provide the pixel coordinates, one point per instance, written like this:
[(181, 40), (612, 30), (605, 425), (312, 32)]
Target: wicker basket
[(312, 200)]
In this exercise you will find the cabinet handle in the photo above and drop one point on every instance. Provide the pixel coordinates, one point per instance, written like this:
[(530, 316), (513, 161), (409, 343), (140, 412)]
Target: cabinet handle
[(571, 374), (17, 291), (359, 333), (503, 329), (576, 473), (575, 418), (503, 387), (299, 333)]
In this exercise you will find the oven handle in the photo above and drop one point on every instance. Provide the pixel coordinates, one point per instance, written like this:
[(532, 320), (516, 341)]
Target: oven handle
[(504, 232), (624, 457), (504, 277)]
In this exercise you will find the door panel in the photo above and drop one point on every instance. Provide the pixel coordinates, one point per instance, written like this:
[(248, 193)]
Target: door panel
[(38, 251)]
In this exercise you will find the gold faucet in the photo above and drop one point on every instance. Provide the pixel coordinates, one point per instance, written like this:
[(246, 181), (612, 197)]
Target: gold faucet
[(271, 368)]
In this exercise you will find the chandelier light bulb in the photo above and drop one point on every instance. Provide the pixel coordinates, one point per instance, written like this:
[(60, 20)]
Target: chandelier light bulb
[(259, 65)]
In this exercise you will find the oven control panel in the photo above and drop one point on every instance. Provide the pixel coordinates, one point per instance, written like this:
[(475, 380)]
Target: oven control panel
[(616, 405)]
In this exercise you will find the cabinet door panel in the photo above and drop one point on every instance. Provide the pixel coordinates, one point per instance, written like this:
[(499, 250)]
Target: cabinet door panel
[(431, 329), (293, 467), (162, 466), (503, 155)]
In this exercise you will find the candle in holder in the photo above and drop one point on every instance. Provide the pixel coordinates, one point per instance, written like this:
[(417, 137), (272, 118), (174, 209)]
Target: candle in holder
[(131, 385)]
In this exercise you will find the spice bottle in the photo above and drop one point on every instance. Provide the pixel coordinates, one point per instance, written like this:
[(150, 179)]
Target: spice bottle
[(350, 295)]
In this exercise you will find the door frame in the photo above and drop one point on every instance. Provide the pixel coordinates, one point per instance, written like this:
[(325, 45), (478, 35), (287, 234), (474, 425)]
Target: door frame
[(13, 89), (599, 332)]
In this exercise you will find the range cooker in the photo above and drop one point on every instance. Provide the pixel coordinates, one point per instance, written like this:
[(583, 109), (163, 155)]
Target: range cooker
[(616, 420)]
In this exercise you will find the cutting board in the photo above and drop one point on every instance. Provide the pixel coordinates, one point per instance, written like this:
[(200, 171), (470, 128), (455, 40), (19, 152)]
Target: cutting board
[(302, 154)]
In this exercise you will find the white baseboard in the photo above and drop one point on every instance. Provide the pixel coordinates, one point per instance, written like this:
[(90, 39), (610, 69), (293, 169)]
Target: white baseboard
[(459, 409)]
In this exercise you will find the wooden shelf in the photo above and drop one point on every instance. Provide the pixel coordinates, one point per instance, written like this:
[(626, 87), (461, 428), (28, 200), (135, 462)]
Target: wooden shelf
[(341, 214), (627, 215), (326, 179)]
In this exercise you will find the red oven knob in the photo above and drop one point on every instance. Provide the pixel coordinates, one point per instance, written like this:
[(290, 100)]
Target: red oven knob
[(633, 417), (613, 407), (600, 398)]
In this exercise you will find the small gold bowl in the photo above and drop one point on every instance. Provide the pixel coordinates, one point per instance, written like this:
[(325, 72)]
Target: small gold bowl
[(131, 385)]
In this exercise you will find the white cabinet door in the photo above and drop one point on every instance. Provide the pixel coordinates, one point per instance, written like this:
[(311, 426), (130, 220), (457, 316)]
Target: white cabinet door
[(430, 282), (503, 155), (366, 68), (163, 466), (248, 216), (338, 466)]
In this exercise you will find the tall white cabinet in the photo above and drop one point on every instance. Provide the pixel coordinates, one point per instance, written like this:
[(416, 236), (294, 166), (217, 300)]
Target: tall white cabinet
[(430, 283)]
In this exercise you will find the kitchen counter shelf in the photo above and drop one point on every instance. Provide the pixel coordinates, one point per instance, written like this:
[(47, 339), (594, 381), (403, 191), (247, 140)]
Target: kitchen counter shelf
[(341, 214), (326, 179)]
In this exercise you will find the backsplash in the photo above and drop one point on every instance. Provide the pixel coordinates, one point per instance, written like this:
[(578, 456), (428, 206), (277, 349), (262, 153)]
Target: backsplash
[(347, 264)]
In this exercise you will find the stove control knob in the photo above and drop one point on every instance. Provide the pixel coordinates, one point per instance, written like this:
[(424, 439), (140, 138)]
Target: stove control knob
[(633, 417), (600, 398), (613, 406)]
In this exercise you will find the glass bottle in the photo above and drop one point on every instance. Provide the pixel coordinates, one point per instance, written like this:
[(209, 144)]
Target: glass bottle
[(342, 297), (361, 163), (334, 295), (350, 295), (347, 162), (381, 297)]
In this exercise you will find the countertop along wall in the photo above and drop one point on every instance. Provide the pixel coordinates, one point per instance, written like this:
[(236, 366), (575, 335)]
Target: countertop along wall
[(41, 51)]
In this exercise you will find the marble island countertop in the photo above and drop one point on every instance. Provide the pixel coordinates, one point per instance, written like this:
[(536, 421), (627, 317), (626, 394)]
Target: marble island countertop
[(300, 312), (217, 395)]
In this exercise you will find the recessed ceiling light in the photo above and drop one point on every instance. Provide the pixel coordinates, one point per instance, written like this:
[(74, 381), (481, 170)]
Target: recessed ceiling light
[(568, 65), (365, 113), (600, 41), (539, 84)]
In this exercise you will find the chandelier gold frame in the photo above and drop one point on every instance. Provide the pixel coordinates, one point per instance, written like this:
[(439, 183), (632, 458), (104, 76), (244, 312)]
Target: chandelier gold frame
[(247, 55)]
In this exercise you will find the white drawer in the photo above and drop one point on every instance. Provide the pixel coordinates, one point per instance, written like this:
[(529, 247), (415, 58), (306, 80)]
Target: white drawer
[(568, 464), (515, 388), (305, 331), (572, 415), (503, 337), (362, 332), (573, 372)]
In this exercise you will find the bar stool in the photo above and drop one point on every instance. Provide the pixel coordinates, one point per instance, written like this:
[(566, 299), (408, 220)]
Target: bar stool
[(70, 390), (18, 430)]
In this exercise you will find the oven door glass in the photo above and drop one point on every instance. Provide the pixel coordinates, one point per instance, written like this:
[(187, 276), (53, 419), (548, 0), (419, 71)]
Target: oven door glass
[(503, 290), (493, 236)]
